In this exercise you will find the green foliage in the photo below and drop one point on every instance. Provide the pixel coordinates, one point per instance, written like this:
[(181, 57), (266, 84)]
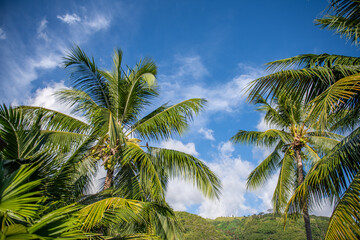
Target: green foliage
[(264, 226), (196, 227)]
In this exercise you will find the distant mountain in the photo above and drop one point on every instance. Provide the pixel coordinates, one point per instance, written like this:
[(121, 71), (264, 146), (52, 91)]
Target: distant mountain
[(263, 226)]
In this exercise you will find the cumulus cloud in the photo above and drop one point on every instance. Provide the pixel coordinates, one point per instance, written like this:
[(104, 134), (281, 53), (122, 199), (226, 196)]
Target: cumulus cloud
[(179, 146), (44, 97), (182, 195), (69, 18), (234, 201), (2, 34), (232, 171), (207, 133)]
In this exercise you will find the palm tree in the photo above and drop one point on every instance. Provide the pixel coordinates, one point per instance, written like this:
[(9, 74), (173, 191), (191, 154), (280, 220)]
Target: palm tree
[(295, 144), (40, 191), (112, 104), (331, 86)]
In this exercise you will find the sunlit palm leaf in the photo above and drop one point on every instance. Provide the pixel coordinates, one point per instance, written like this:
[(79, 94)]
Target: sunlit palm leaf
[(170, 121), (344, 222), (185, 166), (18, 199), (285, 183), (92, 214)]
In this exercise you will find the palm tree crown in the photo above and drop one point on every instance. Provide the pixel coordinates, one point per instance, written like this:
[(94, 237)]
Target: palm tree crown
[(295, 142), (112, 102)]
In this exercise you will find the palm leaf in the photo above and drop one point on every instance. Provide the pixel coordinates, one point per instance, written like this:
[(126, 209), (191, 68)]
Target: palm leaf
[(177, 164), (166, 122), (265, 169), (86, 77), (344, 222)]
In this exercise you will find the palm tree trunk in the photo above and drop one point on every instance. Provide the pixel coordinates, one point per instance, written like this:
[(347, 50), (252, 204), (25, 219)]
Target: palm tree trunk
[(108, 179), (303, 204)]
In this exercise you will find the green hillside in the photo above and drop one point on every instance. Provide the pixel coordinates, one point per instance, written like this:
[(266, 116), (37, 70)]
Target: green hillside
[(266, 226)]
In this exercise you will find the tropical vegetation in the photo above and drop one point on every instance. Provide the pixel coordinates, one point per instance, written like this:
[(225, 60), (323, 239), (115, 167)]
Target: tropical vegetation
[(62, 154), (49, 161), (257, 226), (297, 146), (329, 85)]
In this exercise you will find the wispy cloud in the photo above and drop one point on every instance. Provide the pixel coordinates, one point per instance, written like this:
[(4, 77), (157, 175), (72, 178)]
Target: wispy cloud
[(24, 67), (41, 30), (225, 97), (2, 34), (69, 18), (98, 22), (207, 133)]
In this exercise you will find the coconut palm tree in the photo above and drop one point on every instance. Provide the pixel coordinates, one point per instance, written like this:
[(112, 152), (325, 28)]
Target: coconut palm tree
[(121, 132), (331, 86), (295, 143), (113, 102), (43, 194)]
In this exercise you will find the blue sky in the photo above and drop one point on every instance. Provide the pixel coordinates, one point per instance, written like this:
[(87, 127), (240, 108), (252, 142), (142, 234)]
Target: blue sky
[(208, 49)]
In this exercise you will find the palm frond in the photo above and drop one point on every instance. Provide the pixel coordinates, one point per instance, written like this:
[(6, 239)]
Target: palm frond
[(344, 222), (285, 183), (265, 169), (86, 77), (126, 210), (178, 164), (304, 83), (267, 138), (331, 175), (148, 172), (335, 97), (170, 121), (18, 199)]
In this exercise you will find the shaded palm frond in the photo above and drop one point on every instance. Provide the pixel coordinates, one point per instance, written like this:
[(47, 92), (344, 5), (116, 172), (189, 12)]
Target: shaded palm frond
[(265, 169), (18, 197), (86, 77)]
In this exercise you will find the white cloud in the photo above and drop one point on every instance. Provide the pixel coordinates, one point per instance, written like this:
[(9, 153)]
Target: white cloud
[(233, 172), (181, 195), (41, 30), (69, 18), (208, 133), (190, 66), (179, 146), (226, 97), (44, 97), (2, 34), (98, 22), (226, 149)]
